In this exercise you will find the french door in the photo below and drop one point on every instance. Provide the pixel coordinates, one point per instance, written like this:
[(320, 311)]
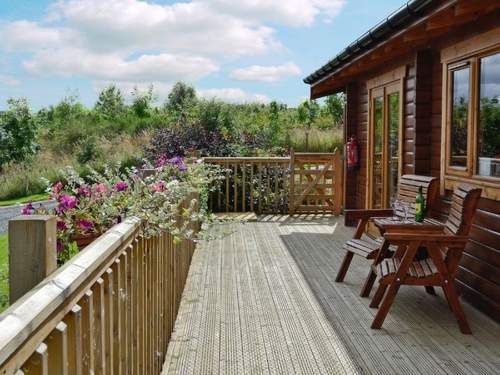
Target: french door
[(384, 157)]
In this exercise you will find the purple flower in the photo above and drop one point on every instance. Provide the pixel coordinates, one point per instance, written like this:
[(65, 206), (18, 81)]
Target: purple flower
[(85, 224), (120, 186), (178, 161), (67, 202), (59, 246), (61, 225), (28, 209)]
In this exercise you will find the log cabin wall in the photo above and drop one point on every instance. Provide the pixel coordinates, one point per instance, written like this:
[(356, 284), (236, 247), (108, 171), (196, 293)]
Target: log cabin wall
[(479, 272)]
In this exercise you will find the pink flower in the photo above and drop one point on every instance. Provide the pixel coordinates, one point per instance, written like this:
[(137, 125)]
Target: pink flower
[(101, 188), (159, 186), (120, 186), (67, 202), (28, 209), (161, 161), (85, 191), (56, 188), (85, 224)]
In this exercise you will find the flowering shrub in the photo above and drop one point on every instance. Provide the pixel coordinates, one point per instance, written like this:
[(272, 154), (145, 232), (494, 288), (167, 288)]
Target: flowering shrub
[(88, 208)]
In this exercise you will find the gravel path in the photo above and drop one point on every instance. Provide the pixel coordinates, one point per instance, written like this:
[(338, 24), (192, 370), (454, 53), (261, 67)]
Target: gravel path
[(8, 212)]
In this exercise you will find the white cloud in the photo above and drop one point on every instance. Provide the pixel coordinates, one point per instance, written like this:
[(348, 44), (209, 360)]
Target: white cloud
[(9, 81), (79, 62), (30, 36), (181, 27), (265, 73), (290, 12), (132, 42), (233, 95)]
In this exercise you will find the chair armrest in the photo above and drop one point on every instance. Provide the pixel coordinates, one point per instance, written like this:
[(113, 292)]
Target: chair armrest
[(434, 237), (367, 214)]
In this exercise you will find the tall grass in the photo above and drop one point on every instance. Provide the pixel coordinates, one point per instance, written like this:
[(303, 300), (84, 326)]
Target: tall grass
[(19, 180), (319, 140)]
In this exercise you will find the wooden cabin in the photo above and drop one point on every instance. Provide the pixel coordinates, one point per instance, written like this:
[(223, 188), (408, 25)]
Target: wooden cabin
[(422, 97)]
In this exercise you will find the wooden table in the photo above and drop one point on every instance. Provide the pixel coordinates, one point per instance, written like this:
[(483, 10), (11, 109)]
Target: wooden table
[(395, 225)]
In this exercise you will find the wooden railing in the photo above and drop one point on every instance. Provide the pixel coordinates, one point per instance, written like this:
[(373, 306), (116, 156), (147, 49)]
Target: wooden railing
[(109, 310), (252, 184), (304, 182)]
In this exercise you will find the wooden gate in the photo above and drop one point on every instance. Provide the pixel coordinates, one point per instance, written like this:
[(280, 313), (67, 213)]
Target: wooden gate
[(316, 183)]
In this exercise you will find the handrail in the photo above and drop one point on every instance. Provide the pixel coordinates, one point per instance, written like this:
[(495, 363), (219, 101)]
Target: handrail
[(247, 159), (112, 306), (21, 320)]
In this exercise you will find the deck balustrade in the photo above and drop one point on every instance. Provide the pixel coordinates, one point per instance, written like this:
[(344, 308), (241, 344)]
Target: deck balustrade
[(109, 310)]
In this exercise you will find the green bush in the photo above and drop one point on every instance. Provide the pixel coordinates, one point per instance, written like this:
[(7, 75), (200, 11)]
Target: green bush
[(88, 150)]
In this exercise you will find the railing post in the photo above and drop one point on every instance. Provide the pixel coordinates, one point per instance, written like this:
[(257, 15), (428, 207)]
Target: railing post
[(291, 192), (338, 183), (32, 252)]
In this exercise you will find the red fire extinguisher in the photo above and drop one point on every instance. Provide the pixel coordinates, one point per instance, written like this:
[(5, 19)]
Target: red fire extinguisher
[(352, 154)]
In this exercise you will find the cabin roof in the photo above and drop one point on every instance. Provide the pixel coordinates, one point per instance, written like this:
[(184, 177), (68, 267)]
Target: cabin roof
[(419, 24), (396, 21)]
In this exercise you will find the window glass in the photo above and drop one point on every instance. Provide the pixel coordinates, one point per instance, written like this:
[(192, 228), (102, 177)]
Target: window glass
[(378, 121), (488, 134), (459, 115)]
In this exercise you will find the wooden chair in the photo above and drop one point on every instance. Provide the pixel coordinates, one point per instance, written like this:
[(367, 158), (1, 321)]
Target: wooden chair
[(367, 248), (445, 250)]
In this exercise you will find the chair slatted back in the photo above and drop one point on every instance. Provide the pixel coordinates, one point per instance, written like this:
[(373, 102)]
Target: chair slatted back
[(464, 202), (408, 188)]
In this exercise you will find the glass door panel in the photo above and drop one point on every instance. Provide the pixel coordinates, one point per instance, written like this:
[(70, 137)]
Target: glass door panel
[(393, 145), (378, 156), (385, 136)]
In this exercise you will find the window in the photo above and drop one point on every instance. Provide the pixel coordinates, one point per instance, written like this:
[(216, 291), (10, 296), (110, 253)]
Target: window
[(473, 117), (488, 132), (459, 116)]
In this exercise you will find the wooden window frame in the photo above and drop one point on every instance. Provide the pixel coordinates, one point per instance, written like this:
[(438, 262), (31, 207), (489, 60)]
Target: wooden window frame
[(469, 52), (384, 85)]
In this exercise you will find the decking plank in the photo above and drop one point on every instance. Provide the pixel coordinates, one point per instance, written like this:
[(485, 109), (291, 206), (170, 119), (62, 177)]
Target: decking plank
[(263, 300)]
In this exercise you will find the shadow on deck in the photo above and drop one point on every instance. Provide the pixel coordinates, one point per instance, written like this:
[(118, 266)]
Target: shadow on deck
[(264, 300)]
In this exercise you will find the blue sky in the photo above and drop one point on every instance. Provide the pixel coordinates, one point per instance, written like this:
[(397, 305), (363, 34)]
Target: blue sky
[(245, 50)]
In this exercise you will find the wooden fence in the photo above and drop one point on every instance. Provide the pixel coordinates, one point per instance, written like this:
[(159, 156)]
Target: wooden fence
[(316, 182), (304, 182), (109, 310), (252, 184)]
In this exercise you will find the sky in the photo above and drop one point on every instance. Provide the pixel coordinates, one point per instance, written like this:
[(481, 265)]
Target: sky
[(233, 50)]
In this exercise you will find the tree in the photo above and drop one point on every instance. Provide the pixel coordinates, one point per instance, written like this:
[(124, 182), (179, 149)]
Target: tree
[(110, 103), (17, 132), (181, 96), (334, 105), (307, 113), (142, 102), (274, 124)]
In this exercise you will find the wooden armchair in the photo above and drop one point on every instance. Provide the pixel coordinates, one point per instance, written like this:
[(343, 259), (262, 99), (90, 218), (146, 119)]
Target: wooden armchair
[(439, 269), (367, 248)]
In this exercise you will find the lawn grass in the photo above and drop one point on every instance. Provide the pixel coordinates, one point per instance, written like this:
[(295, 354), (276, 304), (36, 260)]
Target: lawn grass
[(4, 272), (33, 198)]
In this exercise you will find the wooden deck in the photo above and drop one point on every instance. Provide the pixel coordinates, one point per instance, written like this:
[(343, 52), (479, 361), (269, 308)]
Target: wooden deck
[(264, 300)]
